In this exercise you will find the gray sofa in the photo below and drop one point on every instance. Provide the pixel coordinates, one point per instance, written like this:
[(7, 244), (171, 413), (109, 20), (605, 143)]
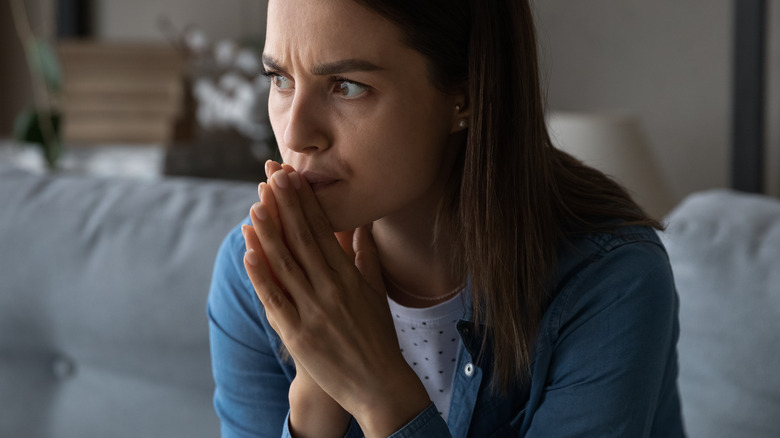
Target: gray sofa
[(103, 285), (725, 253)]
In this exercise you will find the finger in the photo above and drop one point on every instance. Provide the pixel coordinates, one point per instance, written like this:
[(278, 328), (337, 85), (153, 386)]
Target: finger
[(278, 306), (339, 257), (244, 229), (253, 243), (271, 166), (283, 265), (267, 198), (367, 258), (299, 235), (275, 302)]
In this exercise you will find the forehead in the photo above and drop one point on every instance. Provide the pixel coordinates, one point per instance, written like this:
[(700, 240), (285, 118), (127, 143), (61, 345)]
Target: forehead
[(314, 31)]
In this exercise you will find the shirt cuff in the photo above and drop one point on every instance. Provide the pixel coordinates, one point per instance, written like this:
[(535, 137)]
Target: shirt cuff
[(428, 424), (353, 431)]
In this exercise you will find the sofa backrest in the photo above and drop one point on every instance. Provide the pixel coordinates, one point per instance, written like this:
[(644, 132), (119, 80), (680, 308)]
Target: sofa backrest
[(725, 253), (103, 285)]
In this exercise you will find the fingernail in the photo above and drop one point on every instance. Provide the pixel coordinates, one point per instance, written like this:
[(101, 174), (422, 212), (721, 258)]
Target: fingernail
[(296, 180), (281, 179), (243, 230), (268, 168), (259, 210), (260, 190), (251, 257)]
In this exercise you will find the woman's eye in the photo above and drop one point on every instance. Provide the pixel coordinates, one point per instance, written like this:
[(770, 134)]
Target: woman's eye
[(350, 89), (281, 82)]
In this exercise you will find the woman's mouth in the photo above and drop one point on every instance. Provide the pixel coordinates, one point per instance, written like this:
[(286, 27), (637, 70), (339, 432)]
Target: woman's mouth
[(319, 181)]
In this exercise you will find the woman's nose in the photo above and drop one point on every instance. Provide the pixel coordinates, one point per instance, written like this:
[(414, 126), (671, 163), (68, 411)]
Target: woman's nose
[(305, 131)]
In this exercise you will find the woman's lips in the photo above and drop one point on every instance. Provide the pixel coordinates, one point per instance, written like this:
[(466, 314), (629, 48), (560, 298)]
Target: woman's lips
[(319, 181)]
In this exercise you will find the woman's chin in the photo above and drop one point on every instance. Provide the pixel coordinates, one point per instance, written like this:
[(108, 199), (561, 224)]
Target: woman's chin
[(343, 222), (342, 225)]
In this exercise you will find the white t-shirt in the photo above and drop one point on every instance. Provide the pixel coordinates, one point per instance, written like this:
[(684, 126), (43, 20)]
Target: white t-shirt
[(429, 342)]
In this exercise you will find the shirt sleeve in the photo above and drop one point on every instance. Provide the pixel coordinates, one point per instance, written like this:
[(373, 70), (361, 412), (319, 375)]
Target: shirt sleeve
[(428, 424), (612, 350), (251, 385), (353, 430)]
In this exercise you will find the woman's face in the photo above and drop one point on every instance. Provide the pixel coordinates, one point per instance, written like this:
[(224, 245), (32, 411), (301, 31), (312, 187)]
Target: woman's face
[(353, 110)]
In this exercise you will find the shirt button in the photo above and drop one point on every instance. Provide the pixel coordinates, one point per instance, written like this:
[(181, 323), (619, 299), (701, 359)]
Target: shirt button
[(469, 370)]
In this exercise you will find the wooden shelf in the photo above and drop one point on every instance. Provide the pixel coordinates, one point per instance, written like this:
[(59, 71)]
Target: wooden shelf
[(120, 92)]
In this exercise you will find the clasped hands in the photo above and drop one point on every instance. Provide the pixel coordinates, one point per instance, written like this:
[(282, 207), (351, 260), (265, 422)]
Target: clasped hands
[(324, 295)]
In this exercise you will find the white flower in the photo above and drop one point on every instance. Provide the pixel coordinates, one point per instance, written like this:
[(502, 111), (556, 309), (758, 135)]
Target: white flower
[(195, 40), (247, 61), (232, 102), (225, 53)]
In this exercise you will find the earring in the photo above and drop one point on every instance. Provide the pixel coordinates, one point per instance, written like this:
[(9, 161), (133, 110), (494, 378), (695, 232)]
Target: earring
[(457, 108), (462, 123)]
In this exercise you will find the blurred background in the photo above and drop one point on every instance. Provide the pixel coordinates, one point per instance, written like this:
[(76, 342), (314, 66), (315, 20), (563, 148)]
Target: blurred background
[(141, 88), (666, 65), (670, 64), (105, 261)]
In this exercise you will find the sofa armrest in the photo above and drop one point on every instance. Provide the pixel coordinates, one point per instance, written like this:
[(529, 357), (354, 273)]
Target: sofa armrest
[(725, 252)]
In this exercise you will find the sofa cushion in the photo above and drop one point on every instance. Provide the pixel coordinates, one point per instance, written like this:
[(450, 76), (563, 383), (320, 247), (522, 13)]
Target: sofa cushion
[(103, 284), (725, 253)]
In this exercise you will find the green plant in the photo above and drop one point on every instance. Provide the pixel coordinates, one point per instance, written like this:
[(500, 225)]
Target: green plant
[(39, 123)]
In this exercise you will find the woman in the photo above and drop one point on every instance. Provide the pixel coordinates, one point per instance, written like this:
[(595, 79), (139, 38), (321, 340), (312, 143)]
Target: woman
[(426, 264)]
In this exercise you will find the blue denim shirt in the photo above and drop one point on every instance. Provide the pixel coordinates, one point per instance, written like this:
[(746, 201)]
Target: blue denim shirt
[(605, 361)]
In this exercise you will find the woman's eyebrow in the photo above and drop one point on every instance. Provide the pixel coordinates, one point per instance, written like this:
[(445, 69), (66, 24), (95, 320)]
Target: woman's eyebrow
[(344, 66), (329, 68), (271, 62)]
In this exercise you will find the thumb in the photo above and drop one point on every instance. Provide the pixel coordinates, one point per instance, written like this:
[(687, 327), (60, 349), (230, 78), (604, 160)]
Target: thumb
[(367, 258)]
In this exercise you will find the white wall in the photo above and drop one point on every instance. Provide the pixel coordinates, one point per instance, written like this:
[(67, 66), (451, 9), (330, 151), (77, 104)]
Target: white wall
[(139, 19), (667, 61)]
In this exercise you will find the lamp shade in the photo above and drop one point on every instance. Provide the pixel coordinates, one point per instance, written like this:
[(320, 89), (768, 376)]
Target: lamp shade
[(614, 144)]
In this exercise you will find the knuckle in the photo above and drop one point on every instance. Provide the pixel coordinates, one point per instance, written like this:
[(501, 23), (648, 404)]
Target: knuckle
[(331, 290), (287, 201), (334, 290), (287, 263), (320, 226), (275, 299), (270, 295), (264, 233), (317, 321), (305, 237)]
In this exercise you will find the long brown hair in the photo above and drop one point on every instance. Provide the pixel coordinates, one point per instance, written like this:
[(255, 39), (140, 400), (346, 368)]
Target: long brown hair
[(516, 199)]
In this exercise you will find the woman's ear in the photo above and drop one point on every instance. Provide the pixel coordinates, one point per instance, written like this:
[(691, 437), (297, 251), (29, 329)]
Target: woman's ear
[(461, 110)]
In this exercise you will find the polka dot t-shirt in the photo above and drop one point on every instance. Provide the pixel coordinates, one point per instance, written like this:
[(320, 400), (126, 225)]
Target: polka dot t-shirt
[(429, 343)]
